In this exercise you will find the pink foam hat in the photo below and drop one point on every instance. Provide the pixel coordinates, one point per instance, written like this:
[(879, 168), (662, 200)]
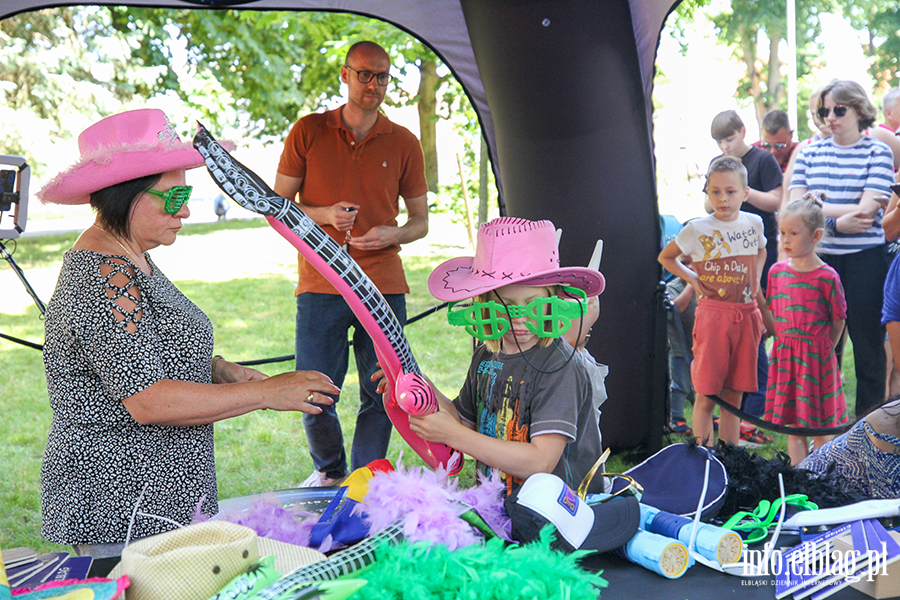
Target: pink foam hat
[(126, 146), (510, 251)]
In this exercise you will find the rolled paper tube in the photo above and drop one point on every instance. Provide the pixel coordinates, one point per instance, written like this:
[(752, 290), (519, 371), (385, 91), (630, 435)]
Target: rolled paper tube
[(712, 543), (662, 555)]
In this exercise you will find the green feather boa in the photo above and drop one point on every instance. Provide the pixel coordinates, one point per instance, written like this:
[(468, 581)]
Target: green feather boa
[(494, 570)]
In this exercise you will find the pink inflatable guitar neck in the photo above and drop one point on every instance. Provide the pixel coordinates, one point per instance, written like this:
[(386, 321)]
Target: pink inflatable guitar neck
[(408, 392)]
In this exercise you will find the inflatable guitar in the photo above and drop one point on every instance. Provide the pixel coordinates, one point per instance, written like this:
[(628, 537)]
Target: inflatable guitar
[(408, 392)]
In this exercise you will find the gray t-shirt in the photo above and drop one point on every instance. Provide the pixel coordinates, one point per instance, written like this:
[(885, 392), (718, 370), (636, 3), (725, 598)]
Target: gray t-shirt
[(519, 396)]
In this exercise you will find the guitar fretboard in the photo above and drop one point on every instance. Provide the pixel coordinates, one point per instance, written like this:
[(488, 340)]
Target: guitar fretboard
[(251, 192)]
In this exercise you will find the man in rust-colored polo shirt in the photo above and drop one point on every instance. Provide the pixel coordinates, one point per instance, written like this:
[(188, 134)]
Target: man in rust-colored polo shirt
[(348, 169)]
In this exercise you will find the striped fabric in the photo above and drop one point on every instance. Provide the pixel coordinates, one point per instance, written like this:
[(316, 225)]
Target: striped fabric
[(844, 173)]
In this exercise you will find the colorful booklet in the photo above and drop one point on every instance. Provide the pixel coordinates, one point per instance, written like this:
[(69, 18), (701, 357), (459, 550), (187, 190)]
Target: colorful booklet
[(804, 560), (33, 574), (74, 567), (15, 557)]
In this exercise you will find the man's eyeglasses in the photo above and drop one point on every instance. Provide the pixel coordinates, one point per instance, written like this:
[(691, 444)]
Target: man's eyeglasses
[(366, 76), (776, 145), (175, 198), (839, 111)]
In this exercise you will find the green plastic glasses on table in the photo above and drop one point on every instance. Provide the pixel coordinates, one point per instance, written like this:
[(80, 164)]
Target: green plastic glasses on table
[(175, 198), (549, 317), (756, 524)]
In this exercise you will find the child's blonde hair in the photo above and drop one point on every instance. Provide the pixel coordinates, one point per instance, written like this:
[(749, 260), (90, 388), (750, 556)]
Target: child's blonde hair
[(808, 209), (494, 345), (728, 164)]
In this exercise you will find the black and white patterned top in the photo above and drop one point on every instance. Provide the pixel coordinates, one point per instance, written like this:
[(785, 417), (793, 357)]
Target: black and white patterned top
[(98, 459)]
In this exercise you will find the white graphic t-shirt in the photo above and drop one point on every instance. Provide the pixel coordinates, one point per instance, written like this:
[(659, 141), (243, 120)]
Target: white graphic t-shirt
[(725, 255)]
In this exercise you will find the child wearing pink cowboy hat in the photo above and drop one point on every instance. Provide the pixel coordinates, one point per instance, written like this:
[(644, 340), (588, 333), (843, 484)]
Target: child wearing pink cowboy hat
[(526, 406), (131, 375)]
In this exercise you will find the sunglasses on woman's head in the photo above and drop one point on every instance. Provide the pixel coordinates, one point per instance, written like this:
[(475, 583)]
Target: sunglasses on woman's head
[(839, 111), (175, 198)]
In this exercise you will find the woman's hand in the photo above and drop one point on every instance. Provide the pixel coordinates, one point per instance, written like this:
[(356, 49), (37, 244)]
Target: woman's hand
[(299, 390), (229, 372), (870, 205), (853, 222)]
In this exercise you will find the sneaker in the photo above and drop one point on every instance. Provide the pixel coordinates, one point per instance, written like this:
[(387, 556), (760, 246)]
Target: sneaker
[(752, 437), (318, 479), (680, 427)]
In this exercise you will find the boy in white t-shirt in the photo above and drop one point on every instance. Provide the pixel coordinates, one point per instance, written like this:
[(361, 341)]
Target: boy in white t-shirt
[(728, 249)]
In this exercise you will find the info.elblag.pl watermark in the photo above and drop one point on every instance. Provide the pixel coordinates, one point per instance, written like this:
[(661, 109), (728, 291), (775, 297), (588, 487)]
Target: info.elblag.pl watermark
[(808, 564)]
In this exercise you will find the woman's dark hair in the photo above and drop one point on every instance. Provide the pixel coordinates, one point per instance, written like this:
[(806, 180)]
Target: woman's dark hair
[(113, 204)]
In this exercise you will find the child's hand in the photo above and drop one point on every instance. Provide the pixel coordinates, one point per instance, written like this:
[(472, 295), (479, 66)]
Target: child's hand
[(695, 284), (437, 427), (380, 377)]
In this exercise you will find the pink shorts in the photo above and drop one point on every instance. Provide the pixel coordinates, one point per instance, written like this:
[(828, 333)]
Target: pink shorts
[(726, 344)]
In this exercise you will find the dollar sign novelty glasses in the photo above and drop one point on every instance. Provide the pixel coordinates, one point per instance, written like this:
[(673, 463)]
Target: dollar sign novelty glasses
[(175, 197), (547, 317)]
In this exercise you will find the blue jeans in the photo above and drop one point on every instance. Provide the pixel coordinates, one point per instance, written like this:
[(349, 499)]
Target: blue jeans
[(754, 403), (323, 323), (680, 387)]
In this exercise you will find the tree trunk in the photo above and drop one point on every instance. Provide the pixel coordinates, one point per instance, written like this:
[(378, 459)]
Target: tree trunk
[(775, 89), (748, 50), (427, 107)]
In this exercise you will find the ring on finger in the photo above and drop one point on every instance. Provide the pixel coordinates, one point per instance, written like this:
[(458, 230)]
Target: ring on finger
[(309, 397)]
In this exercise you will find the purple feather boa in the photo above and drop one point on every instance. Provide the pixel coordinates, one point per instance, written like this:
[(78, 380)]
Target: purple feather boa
[(429, 502)]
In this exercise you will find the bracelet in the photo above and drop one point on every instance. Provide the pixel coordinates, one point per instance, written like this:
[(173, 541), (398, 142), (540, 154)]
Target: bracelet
[(215, 359)]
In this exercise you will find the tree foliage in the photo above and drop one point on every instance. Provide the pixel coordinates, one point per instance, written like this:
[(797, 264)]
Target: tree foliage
[(252, 71), (755, 29), (59, 68)]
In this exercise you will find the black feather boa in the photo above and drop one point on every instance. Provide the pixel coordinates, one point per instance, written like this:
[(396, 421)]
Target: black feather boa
[(752, 478)]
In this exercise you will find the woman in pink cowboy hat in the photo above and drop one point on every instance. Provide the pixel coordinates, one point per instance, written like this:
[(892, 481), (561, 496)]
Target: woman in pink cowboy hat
[(526, 406), (132, 379)]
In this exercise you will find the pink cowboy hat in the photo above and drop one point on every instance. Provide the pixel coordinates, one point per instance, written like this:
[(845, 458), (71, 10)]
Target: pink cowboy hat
[(510, 252), (120, 148)]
